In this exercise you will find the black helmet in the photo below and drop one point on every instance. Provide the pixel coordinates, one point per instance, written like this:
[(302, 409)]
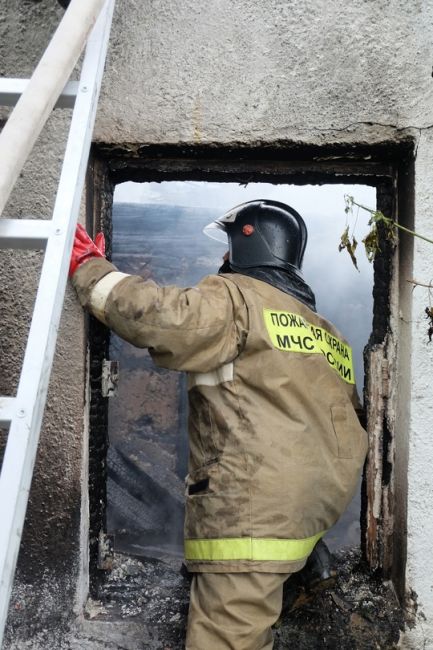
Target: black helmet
[(262, 233)]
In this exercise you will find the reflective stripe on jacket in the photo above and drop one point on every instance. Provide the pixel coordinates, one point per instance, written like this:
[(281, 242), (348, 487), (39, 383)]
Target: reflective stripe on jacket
[(276, 448)]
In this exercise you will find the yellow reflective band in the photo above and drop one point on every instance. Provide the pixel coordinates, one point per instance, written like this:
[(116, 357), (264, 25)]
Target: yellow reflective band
[(250, 548), (292, 333)]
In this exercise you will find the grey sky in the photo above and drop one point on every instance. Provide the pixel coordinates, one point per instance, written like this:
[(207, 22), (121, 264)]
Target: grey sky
[(322, 207), (320, 201)]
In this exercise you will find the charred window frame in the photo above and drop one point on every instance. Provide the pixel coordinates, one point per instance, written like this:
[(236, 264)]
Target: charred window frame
[(388, 166)]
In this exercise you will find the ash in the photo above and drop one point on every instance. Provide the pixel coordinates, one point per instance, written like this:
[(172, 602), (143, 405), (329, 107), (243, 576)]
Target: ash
[(149, 591), (134, 588), (143, 605), (361, 612)]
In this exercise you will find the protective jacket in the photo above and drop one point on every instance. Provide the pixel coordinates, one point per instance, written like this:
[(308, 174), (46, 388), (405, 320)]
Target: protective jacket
[(276, 447)]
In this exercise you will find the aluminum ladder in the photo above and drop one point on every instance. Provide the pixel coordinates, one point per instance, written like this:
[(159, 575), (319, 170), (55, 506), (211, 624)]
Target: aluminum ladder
[(35, 99)]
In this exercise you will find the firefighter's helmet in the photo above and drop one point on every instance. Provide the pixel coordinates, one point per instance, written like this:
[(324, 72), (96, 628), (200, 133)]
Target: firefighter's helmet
[(262, 233)]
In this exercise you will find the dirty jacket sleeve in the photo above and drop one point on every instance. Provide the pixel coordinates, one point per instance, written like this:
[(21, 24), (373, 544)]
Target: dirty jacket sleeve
[(195, 329)]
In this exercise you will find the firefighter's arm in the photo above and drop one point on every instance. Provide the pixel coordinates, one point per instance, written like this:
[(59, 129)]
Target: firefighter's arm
[(196, 329)]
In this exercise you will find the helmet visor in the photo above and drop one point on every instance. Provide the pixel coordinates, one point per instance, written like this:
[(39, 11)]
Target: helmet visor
[(216, 230)]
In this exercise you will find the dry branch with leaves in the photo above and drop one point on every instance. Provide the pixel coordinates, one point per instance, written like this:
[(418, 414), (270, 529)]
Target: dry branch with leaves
[(372, 242)]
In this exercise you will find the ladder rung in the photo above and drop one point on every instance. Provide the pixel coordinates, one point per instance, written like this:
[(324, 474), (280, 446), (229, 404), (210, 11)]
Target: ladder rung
[(12, 89), (25, 233), (7, 407)]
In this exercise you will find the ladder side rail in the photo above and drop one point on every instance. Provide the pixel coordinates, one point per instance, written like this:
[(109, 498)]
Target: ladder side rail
[(18, 463), (44, 88)]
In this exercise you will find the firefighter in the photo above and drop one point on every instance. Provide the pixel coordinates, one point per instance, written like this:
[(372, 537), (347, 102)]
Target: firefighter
[(276, 447)]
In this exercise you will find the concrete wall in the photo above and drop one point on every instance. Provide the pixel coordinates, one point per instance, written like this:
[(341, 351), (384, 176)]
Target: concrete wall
[(418, 405), (323, 73), (254, 71)]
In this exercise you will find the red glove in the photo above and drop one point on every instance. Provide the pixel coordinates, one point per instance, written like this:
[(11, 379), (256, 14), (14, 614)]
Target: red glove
[(84, 248)]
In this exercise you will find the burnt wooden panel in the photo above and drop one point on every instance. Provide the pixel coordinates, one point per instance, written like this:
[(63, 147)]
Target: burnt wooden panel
[(378, 484)]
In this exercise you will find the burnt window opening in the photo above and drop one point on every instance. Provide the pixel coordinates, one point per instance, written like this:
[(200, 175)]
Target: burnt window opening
[(157, 234), (112, 167)]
